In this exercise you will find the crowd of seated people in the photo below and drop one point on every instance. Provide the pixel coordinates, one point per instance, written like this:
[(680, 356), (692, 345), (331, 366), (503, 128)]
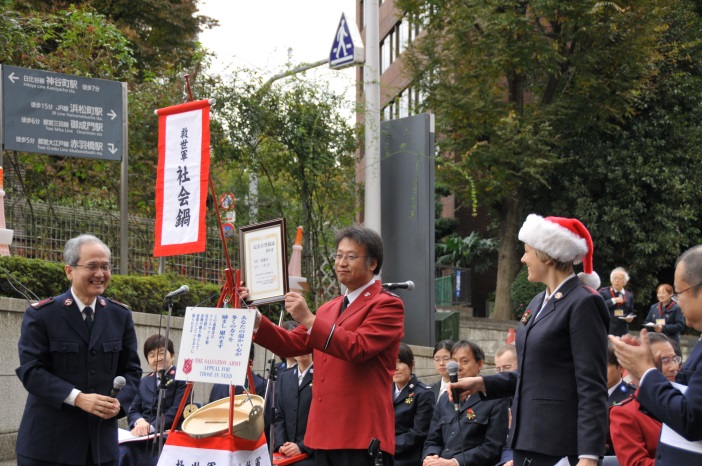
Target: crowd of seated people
[(430, 429)]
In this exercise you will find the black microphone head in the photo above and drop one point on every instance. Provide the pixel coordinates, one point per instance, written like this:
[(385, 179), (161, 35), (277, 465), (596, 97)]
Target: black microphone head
[(452, 368), (119, 382), (410, 285)]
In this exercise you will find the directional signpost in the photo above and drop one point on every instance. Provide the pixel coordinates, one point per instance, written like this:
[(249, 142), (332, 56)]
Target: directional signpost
[(71, 116), (347, 49), (61, 114)]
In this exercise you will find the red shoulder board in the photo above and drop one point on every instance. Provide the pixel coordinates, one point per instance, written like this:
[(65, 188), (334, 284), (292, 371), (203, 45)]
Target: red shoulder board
[(591, 290), (388, 292), (118, 303), (43, 303)]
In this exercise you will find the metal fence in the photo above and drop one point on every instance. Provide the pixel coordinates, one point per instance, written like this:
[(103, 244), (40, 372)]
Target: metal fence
[(452, 286), (41, 231)]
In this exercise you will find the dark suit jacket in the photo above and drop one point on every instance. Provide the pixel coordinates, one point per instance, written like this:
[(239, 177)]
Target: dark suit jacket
[(483, 430), (618, 326), (560, 390), (354, 358), (414, 407), (56, 354), (145, 403), (674, 319), (682, 413), (292, 408), (435, 390)]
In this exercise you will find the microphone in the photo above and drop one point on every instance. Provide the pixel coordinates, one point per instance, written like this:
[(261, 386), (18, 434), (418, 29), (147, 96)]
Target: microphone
[(408, 285), (117, 385), (182, 290), (452, 369)]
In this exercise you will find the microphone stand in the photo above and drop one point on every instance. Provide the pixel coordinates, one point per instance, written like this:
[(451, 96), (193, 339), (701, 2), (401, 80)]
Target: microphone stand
[(160, 416), (270, 388)]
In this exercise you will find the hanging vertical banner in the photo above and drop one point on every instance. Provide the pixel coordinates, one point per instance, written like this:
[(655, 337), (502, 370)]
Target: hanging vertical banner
[(182, 177)]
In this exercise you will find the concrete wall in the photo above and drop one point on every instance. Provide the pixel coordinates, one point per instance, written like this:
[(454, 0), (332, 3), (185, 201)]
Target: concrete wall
[(14, 396), (489, 334)]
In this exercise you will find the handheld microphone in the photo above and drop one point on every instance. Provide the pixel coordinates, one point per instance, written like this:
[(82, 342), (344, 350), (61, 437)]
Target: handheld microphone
[(117, 385), (408, 285), (182, 290), (452, 369)]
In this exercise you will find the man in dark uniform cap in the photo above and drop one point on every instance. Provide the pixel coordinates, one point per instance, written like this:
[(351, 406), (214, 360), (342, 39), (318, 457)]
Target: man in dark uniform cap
[(71, 349)]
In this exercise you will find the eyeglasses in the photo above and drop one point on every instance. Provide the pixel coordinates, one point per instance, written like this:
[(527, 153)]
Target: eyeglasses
[(106, 267), (339, 257), (505, 368), (676, 296), (667, 360), (440, 360)]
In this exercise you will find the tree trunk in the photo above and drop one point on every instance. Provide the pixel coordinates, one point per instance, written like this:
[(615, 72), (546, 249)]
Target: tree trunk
[(507, 257)]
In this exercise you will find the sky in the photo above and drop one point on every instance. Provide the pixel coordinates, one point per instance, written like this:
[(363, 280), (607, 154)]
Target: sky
[(258, 33)]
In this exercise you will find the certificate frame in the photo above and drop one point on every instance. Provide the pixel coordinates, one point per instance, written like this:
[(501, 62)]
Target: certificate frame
[(263, 261)]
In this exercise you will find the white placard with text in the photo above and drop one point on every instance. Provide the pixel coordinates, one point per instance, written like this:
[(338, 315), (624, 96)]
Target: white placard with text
[(215, 345)]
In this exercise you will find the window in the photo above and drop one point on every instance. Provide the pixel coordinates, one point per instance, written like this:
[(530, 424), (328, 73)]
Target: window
[(384, 55)]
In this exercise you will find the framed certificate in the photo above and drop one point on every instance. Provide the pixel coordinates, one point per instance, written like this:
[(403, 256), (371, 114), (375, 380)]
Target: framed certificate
[(263, 261)]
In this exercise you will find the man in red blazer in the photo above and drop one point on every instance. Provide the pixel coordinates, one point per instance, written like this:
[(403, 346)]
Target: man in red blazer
[(355, 340)]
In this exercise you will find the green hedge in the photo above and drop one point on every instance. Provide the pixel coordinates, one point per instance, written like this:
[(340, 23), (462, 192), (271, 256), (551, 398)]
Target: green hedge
[(523, 291), (140, 293)]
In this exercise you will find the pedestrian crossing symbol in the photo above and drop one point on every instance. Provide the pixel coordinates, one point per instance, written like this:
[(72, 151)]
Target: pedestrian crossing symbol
[(347, 49)]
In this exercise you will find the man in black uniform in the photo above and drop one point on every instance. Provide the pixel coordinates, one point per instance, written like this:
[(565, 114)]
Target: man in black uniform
[(71, 349)]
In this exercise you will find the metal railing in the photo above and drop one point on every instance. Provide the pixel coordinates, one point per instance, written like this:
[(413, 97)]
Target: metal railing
[(452, 286), (41, 232)]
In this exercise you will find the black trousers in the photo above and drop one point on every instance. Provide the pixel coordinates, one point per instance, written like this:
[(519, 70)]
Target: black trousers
[(24, 461), (348, 458), (528, 458)]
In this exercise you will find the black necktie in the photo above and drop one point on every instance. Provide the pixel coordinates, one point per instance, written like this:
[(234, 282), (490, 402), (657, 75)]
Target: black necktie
[(88, 318), (344, 305)]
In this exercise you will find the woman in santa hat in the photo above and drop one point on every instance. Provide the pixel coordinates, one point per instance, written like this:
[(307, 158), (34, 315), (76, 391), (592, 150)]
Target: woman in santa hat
[(559, 412)]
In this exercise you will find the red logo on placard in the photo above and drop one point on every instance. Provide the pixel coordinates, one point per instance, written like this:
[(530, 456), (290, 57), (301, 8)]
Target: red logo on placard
[(187, 366)]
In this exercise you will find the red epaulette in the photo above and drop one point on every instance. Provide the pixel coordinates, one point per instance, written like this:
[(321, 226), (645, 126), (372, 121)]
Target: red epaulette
[(42, 303), (118, 303), (384, 290), (591, 289)]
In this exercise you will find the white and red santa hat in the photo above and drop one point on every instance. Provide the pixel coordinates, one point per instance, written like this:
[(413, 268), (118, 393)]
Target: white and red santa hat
[(564, 239)]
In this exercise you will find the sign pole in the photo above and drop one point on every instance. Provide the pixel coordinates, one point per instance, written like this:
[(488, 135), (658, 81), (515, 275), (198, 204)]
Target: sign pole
[(124, 189), (371, 80)]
